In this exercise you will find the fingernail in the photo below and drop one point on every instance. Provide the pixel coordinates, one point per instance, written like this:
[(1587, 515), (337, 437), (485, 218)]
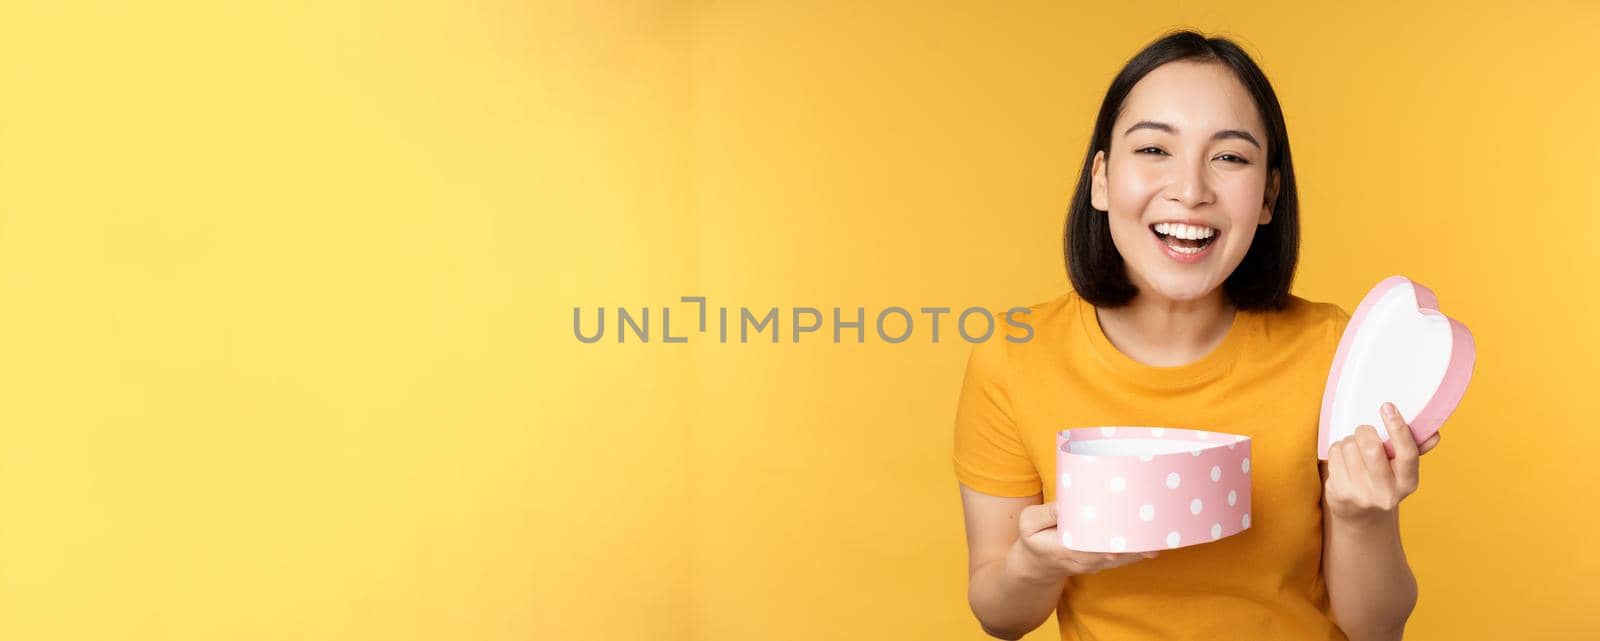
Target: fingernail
[(1388, 410)]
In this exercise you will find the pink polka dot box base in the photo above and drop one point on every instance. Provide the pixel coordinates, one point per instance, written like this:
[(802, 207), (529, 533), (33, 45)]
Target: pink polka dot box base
[(1137, 489)]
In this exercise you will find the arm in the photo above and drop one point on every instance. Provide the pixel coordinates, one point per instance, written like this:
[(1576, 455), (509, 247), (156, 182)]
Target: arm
[(1016, 564), (1371, 589), (1370, 584), (1008, 599)]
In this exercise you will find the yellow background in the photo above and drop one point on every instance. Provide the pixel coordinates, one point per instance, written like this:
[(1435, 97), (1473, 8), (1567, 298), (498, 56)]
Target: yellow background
[(286, 296)]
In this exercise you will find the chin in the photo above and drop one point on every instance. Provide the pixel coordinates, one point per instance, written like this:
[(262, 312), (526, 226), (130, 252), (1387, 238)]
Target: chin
[(1182, 289)]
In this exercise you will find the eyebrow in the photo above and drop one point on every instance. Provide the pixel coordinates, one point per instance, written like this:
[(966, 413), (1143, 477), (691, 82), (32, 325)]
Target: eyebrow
[(1220, 135)]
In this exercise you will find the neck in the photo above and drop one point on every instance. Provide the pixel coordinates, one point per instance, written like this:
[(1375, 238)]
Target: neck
[(1163, 332)]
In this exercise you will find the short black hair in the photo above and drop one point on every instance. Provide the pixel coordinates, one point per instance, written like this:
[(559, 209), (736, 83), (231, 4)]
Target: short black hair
[(1262, 279)]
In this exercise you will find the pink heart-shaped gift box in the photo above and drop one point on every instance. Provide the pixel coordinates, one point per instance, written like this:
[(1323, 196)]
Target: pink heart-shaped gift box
[(1400, 348), (1137, 489)]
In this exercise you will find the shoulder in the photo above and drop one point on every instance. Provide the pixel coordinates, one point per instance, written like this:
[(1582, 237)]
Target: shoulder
[(1303, 318), (1303, 310), (1044, 326), (1050, 314), (1022, 330)]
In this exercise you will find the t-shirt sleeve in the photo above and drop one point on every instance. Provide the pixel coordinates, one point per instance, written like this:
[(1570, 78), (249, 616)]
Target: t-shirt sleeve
[(989, 454)]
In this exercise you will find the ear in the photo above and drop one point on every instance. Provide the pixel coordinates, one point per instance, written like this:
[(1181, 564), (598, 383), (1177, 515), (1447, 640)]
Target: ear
[(1270, 199), (1097, 183)]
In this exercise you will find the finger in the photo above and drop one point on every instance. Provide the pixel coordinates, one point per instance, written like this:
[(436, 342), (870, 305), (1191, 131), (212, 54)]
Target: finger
[(1102, 560), (1083, 562), (1406, 449), (1370, 448), (1400, 436), (1119, 560), (1338, 476), (1432, 442), (1035, 518), (1086, 559), (1354, 468)]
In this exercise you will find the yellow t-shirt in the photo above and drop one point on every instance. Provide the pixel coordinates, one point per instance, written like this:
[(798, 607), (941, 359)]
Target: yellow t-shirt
[(1264, 380)]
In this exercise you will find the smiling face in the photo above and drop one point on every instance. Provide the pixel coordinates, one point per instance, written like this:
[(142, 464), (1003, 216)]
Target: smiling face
[(1188, 146)]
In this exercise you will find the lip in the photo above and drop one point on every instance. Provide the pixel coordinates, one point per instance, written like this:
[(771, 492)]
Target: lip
[(1186, 259)]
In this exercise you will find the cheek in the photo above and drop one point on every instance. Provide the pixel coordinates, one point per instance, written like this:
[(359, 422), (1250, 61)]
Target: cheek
[(1242, 200), (1245, 192), (1243, 188), (1132, 187)]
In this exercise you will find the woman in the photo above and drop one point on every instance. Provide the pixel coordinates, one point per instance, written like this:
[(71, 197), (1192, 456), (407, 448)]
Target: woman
[(1181, 245)]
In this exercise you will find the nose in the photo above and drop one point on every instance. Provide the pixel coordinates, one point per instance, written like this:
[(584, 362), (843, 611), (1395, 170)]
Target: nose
[(1190, 186)]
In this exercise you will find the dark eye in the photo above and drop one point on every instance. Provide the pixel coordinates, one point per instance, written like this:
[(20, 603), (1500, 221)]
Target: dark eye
[(1155, 149), (1235, 159)]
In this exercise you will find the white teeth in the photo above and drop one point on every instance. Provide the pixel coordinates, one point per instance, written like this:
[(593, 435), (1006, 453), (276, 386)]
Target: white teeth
[(1190, 232)]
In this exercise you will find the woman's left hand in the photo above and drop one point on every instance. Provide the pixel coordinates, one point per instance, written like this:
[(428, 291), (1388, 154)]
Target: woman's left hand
[(1364, 484)]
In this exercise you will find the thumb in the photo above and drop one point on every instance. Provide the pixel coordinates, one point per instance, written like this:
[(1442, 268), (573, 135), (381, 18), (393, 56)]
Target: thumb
[(1038, 517), (1401, 438)]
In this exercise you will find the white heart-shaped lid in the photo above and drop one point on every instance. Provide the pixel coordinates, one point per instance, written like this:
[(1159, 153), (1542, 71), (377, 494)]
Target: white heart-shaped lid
[(1398, 347)]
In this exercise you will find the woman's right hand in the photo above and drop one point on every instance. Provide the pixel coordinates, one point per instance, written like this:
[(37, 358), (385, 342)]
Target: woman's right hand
[(1043, 557)]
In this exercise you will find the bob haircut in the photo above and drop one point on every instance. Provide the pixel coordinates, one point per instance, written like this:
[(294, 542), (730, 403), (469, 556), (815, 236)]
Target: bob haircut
[(1262, 279)]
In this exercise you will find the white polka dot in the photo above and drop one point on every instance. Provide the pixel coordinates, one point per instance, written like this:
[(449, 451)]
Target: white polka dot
[(1118, 544), (1066, 480), (1088, 512), (1108, 431), (1230, 445), (1245, 522), (1158, 432), (1172, 480), (1245, 465), (1197, 451), (1146, 458), (1233, 497), (1194, 506), (1147, 512), (1216, 531), (1173, 539), (1066, 538), (1216, 473), (1118, 484)]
